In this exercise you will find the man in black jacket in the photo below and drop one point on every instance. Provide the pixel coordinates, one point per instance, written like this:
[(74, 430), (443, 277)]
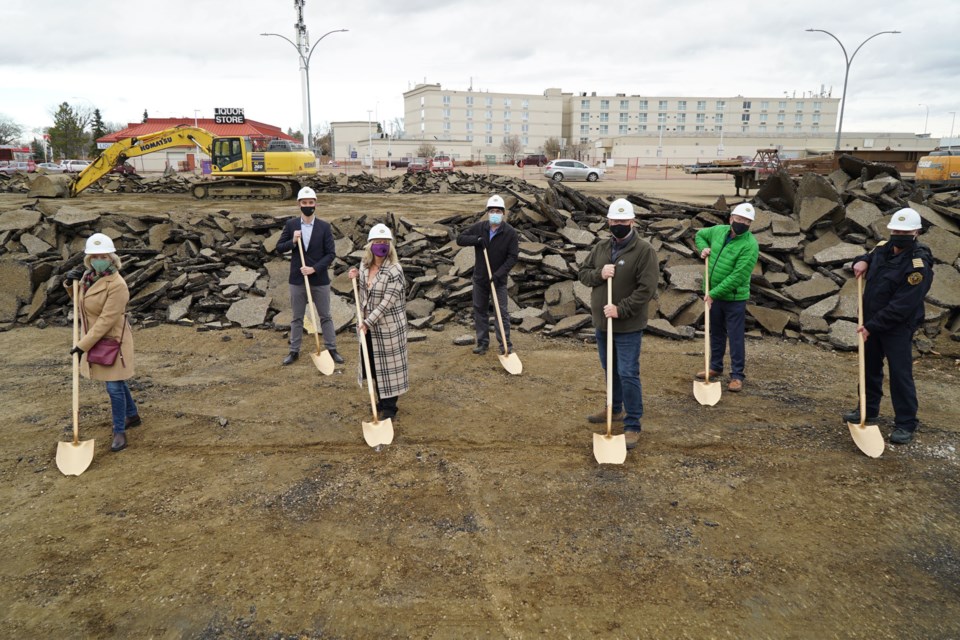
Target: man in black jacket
[(898, 275), (319, 252), (500, 241)]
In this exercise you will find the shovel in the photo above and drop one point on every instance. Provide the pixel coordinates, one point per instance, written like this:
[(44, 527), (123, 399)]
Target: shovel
[(377, 432), (322, 358), (867, 437), (609, 449), (73, 458), (706, 392), (510, 361)]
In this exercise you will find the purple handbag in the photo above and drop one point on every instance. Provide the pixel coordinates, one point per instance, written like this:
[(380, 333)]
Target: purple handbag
[(106, 350)]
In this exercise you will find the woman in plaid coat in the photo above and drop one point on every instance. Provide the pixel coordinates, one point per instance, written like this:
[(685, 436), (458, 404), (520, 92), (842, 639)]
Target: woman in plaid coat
[(383, 301)]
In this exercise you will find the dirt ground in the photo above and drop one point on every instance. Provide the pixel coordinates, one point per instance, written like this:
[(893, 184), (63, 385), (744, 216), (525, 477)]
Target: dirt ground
[(249, 506)]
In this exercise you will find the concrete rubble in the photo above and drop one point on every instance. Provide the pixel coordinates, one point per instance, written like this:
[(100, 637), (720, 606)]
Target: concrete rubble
[(221, 269)]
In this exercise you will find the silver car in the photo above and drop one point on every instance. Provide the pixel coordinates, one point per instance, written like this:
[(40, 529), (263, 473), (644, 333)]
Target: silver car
[(572, 170)]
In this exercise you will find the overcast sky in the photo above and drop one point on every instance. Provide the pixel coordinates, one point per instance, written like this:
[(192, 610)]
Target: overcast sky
[(173, 56)]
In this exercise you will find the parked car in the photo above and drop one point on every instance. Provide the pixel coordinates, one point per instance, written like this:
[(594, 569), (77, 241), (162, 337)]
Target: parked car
[(416, 165), (124, 169), (441, 163), (536, 160), (13, 166), (49, 167), (560, 170), (74, 166)]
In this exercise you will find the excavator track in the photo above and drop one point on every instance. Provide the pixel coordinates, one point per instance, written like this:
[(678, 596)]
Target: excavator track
[(240, 188)]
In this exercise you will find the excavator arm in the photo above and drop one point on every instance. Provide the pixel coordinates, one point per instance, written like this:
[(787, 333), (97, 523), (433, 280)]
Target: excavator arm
[(120, 151)]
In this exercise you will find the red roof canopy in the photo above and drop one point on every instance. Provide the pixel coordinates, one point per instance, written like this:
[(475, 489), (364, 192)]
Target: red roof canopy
[(152, 125)]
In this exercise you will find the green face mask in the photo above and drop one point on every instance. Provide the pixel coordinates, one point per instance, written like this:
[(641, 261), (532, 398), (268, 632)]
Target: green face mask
[(101, 265)]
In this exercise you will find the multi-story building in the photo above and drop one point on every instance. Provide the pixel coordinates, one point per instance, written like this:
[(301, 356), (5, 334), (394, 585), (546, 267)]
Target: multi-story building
[(483, 119)]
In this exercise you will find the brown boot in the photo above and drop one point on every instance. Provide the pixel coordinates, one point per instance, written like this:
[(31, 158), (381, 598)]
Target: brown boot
[(632, 438), (735, 385), (702, 375), (601, 418)]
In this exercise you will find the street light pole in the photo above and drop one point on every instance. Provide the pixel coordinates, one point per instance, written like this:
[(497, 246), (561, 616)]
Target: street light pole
[(952, 122), (926, 118), (846, 75), (369, 140), (304, 54)]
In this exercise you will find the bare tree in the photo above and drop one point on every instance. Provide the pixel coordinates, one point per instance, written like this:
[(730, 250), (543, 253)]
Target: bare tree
[(10, 131), (511, 147), (551, 148), (426, 150)]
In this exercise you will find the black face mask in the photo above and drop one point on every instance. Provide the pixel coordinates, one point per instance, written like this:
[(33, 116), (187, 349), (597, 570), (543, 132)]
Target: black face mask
[(307, 211), (740, 228), (620, 231), (901, 242)]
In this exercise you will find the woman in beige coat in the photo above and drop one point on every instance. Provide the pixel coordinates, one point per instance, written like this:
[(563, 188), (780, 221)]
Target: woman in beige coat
[(103, 305)]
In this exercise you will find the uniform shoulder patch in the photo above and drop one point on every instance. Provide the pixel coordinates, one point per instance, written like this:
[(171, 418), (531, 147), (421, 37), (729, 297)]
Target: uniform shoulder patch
[(917, 263), (915, 278)]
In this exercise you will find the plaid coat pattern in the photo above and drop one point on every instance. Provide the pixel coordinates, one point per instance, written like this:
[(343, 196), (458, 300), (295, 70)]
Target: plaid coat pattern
[(384, 307)]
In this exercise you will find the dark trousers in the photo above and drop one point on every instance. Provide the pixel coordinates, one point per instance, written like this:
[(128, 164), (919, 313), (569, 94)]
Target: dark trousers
[(122, 405), (726, 322), (385, 406), (897, 348), (481, 312), (627, 391)]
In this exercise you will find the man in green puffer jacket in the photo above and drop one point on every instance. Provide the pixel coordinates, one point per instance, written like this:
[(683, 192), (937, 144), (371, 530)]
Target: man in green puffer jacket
[(732, 252)]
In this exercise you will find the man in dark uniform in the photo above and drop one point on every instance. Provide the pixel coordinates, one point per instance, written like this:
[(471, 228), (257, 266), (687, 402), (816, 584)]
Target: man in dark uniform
[(898, 275), (503, 248)]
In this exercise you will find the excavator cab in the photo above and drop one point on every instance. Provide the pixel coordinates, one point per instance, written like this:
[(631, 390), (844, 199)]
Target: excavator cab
[(228, 154)]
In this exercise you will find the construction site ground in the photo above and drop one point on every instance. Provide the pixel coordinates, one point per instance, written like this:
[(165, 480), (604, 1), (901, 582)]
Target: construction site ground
[(248, 505)]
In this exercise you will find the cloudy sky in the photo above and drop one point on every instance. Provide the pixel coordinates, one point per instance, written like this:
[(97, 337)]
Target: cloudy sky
[(174, 56)]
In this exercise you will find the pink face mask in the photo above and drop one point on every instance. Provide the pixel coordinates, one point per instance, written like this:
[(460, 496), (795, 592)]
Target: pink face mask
[(380, 250)]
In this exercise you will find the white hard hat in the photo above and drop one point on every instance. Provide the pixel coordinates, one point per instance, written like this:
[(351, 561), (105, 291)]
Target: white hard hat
[(495, 202), (620, 210), (99, 243), (744, 210), (379, 232), (305, 193), (905, 220)]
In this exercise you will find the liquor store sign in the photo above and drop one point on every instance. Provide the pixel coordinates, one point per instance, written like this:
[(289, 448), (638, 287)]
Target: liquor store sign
[(228, 115)]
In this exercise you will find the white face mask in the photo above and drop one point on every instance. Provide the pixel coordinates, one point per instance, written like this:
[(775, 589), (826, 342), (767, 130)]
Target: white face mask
[(496, 218)]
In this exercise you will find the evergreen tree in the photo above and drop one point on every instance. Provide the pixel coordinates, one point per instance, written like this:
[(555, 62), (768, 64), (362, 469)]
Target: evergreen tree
[(98, 131), (39, 153), (67, 137), (145, 115)]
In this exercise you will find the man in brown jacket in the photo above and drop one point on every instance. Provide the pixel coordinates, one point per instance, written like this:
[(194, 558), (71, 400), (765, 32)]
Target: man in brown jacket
[(633, 265)]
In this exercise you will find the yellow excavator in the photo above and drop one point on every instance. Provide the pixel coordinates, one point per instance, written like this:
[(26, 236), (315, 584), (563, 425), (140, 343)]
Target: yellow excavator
[(242, 167), (940, 168)]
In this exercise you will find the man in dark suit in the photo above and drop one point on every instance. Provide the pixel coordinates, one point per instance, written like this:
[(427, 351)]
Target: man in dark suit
[(319, 252)]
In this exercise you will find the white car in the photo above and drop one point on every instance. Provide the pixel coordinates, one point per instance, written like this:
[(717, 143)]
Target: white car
[(560, 170), (49, 167), (74, 166)]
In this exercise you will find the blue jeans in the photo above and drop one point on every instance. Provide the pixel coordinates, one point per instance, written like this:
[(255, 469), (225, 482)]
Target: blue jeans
[(726, 321), (627, 393), (121, 404)]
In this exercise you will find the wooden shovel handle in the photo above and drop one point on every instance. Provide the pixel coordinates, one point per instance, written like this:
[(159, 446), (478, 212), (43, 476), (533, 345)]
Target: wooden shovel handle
[(860, 355), (363, 348), (496, 303), (609, 361), (76, 364), (706, 320), (306, 282)]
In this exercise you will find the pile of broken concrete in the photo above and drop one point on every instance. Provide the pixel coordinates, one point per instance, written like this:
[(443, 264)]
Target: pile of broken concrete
[(221, 269)]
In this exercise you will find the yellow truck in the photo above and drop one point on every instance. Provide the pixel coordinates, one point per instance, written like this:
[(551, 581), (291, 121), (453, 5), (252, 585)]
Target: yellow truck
[(242, 167), (941, 167)]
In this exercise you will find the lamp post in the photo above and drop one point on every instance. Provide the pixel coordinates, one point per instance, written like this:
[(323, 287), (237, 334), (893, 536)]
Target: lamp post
[(304, 54), (926, 118), (952, 122), (369, 140), (846, 75)]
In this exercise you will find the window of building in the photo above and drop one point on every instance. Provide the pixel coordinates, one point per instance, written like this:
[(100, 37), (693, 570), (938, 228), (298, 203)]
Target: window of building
[(585, 105), (746, 104), (469, 138), (701, 118), (780, 118), (488, 126), (421, 101), (584, 129), (489, 139), (423, 114), (624, 105), (623, 129), (469, 101), (506, 127), (506, 115), (798, 118), (782, 105), (721, 105), (446, 100), (763, 118), (488, 101), (817, 106), (604, 117), (446, 126), (525, 140), (763, 128), (815, 127), (584, 116), (661, 127), (524, 104), (799, 106), (642, 118), (662, 105), (488, 115), (779, 128), (525, 128), (446, 113), (797, 126), (643, 105), (469, 126), (642, 127), (604, 104), (744, 117), (681, 118), (525, 115), (745, 128), (718, 128), (422, 127), (661, 117), (718, 119), (700, 127), (816, 119), (701, 105), (584, 140), (507, 102), (469, 114), (681, 128), (604, 129), (681, 105), (624, 117)]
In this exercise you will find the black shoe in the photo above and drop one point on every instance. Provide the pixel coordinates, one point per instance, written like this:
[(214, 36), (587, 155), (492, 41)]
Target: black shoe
[(291, 357), (480, 349), (853, 417), (336, 356), (132, 421), (502, 352), (901, 436), (119, 442)]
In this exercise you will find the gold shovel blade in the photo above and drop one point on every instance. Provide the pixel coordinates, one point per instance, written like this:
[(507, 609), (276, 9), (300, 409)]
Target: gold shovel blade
[(609, 449), (378, 433), (512, 364), (73, 459), (324, 362), (868, 438), (707, 393)]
